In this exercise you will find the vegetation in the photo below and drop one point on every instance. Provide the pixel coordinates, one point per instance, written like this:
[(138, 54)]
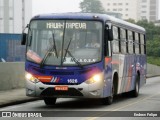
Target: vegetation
[(91, 6), (153, 60)]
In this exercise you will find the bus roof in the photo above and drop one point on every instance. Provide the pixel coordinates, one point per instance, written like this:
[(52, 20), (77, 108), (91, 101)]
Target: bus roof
[(89, 16)]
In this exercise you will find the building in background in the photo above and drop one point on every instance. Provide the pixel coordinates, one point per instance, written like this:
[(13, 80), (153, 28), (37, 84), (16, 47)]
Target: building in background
[(14, 15), (133, 9), (128, 8), (117, 15), (11, 48), (149, 10), (157, 23)]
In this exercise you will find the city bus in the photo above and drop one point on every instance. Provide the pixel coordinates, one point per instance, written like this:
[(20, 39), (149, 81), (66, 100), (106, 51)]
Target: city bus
[(83, 55)]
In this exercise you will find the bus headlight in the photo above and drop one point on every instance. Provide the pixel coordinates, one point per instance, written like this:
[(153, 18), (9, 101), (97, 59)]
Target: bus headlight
[(95, 78), (31, 78)]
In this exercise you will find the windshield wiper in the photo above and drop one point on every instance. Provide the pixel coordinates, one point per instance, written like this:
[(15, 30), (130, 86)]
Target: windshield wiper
[(67, 51), (75, 60), (53, 48)]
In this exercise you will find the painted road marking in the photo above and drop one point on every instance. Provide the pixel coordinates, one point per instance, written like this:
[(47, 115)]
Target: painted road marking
[(117, 109)]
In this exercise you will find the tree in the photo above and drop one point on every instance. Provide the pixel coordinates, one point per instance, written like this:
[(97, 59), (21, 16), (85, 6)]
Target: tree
[(131, 20), (91, 6), (152, 31), (153, 37)]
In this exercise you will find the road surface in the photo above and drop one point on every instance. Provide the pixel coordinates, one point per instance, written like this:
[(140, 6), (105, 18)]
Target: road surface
[(147, 103)]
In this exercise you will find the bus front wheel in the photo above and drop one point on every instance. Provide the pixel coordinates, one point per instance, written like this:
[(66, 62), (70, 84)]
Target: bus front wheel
[(108, 100), (49, 101)]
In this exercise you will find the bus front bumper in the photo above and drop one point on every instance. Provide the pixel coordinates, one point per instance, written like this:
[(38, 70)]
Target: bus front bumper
[(83, 90)]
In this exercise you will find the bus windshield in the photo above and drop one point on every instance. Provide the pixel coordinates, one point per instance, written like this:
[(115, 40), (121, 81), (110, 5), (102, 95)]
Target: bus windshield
[(64, 42)]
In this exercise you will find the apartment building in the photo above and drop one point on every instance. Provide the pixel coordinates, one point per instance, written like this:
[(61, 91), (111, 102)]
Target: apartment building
[(134, 9), (14, 15), (149, 9)]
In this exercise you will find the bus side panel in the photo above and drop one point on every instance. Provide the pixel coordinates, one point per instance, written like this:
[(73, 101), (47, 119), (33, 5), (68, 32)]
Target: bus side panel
[(131, 72), (139, 65), (143, 71), (125, 67), (107, 77), (126, 72), (118, 66), (130, 65), (123, 71)]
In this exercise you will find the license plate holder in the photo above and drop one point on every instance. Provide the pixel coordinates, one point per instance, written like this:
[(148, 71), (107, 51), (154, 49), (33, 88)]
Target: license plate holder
[(61, 88)]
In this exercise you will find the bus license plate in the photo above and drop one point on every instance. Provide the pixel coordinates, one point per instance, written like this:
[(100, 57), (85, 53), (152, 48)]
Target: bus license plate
[(61, 88)]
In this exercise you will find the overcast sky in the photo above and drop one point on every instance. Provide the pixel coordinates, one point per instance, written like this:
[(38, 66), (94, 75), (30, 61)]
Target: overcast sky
[(54, 6)]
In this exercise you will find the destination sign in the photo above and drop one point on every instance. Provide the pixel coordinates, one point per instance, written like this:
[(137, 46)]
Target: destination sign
[(75, 25)]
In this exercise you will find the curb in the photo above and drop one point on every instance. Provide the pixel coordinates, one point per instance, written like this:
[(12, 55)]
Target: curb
[(15, 102), (151, 76)]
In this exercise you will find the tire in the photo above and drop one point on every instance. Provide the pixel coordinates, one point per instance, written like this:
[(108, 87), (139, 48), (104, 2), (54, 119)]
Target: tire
[(108, 100), (135, 92), (50, 101)]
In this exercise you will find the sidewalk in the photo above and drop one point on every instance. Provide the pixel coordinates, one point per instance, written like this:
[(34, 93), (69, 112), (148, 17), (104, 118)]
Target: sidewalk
[(15, 96)]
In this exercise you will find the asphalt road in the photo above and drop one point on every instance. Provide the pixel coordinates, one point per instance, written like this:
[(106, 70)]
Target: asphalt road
[(148, 101)]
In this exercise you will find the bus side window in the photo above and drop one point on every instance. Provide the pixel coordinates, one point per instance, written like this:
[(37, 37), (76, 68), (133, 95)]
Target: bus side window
[(137, 51), (123, 41), (130, 42), (142, 43), (115, 42)]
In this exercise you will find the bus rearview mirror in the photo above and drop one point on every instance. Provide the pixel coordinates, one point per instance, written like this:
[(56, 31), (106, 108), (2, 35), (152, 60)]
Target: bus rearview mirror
[(110, 34), (23, 39)]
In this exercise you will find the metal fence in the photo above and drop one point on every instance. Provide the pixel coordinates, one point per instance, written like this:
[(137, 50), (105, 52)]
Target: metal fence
[(11, 49)]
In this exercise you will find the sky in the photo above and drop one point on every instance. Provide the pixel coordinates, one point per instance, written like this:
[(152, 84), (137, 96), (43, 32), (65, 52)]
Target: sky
[(54, 6)]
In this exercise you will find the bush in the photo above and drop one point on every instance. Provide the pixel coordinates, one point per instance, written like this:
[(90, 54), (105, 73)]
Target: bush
[(153, 60)]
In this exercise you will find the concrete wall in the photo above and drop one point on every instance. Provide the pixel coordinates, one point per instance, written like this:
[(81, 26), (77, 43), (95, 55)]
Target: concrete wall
[(153, 70), (12, 74)]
